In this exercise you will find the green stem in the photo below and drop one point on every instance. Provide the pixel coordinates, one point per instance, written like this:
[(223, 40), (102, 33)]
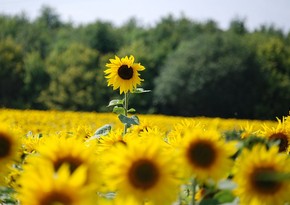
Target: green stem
[(193, 191), (126, 102)]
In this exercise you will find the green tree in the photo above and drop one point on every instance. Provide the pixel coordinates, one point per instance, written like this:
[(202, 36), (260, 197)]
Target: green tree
[(212, 75), (11, 73), (36, 79), (273, 56), (73, 82)]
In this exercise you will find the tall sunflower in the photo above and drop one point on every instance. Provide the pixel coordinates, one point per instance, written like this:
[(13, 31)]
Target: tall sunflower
[(205, 154), (9, 147), (41, 185), (253, 164), (123, 73), (143, 171)]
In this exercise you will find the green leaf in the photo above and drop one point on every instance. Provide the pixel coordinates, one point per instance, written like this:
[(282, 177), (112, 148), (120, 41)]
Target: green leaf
[(133, 120), (131, 110), (104, 130), (224, 196), (119, 110), (140, 90), (115, 102), (209, 202)]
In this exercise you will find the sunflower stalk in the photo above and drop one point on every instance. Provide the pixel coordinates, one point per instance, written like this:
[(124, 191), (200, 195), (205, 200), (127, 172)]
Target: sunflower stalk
[(193, 191), (126, 105)]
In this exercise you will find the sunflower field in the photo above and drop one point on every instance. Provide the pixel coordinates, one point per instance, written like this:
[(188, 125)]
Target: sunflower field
[(88, 158)]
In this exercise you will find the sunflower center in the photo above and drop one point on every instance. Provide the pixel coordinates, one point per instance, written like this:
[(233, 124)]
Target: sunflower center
[(283, 144), (5, 145), (143, 174), (201, 154), (56, 198), (73, 163), (125, 72), (262, 184)]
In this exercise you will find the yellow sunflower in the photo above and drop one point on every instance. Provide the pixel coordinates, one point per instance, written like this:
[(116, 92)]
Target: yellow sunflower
[(143, 171), (206, 155), (175, 136), (123, 73), (9, 147), (58, 150), (108, 141), (41, 185), (251, 165), (281, 132)]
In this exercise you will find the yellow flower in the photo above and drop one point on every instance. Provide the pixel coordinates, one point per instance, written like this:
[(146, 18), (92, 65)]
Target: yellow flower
[(58, 150), (9, 147), (206, 155), (255, 163), (143, 171), (123, 73), (281, 132), (43, 186)]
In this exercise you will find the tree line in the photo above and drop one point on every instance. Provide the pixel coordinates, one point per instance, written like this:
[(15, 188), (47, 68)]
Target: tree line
[(193, 68)]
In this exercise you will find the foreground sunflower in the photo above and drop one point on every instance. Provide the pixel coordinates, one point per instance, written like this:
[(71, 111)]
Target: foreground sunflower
[(205, 154), (57, 150), (41, 185), (123, 73), (253, 164), (9, 147), (143, 172)]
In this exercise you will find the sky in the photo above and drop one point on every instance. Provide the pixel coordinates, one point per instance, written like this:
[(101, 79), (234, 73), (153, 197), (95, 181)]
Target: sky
[(149, 12)]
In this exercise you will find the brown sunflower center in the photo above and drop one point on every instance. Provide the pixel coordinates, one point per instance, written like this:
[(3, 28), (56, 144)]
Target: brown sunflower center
[(262, 184), (56, 198), (201, 154), (283, 144), (125, 72), (143, 174), (5, 145), (73, 163)]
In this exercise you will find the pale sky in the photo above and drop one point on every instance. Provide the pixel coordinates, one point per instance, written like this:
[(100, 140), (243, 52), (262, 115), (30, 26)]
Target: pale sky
[(148, 12)]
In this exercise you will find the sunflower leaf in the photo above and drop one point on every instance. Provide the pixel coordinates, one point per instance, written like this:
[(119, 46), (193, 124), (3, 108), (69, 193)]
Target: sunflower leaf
[(131, 110), (224, 196), (140, 90), (115, 102), (104, 130), (133, 120), (119, 110), (208, 201)]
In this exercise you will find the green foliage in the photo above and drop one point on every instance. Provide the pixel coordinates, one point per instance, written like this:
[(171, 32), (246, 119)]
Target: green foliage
[(11, 72), (72, 79), (193, 68), (212, 75)]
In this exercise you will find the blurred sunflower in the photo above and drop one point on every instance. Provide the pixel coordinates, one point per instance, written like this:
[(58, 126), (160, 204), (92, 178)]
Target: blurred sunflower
[(9, 150), (205, 154), (175, 136), (281, 132), (41, 185), (143, 171), (123, 73), (253, 164), (110, 140), (58, 150)]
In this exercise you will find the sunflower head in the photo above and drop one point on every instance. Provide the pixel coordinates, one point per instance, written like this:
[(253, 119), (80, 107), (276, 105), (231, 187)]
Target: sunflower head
[(9, 149), (280, 133), (253, 174), (143, 170), (206, 155), (123, 73)]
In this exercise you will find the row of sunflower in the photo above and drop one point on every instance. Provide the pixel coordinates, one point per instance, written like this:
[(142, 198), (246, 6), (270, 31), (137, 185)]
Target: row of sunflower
[(69, 161)]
